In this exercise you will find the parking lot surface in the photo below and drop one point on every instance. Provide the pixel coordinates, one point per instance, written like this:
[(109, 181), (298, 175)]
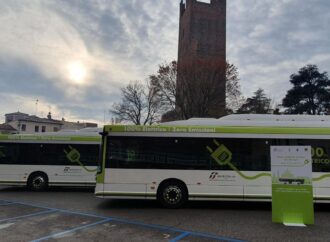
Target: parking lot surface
[(67, 214)]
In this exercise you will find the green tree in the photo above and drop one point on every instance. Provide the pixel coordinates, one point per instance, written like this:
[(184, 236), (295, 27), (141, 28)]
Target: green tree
[(259, 103), (310, 93)]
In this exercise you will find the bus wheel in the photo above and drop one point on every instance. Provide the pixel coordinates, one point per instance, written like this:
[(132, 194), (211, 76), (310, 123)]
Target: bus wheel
[(172, 194), (38, 182)]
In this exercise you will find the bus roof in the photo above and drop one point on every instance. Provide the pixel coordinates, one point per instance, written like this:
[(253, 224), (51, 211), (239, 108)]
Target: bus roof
[(267, 120), (247, 123)]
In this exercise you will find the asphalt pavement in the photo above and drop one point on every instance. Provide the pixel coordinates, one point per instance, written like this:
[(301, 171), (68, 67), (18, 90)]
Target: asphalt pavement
[(72, 214)]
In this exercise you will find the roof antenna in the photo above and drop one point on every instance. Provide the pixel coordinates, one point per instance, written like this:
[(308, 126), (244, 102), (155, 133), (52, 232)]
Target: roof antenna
[(37, 101)]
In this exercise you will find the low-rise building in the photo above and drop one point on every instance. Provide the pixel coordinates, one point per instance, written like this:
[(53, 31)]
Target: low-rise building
[(77, 125), (28, 124), (7, 129)]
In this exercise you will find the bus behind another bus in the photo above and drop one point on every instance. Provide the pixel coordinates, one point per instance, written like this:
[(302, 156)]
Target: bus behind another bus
[(50, 159)]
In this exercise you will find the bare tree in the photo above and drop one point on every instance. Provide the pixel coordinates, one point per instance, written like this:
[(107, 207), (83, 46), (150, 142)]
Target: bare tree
[(195, 95), (165, 82), (234, 98), (154, 105), (199, 87), (140, 104)]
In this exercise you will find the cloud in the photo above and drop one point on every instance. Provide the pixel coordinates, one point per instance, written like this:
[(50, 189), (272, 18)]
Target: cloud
[(270, 40), (118, 41), (27, 81)]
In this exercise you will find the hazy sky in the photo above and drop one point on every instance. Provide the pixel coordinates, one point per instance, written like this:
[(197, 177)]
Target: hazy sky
[(73, 56)]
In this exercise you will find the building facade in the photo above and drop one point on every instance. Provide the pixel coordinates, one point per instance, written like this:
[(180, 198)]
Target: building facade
[(202, 56), (7, 129), (29, 124), (77, 125)]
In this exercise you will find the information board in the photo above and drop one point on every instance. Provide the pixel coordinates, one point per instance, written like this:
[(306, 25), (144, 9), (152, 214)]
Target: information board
[(292, 189)]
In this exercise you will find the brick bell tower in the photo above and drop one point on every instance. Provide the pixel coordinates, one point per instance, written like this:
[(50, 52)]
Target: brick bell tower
[(202, 46)]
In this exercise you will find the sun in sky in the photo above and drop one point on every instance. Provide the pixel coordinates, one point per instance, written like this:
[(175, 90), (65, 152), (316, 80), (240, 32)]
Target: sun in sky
[(77, 72)]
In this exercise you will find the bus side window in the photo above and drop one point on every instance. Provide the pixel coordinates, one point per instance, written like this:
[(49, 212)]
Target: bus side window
[(320, 153), (8, 153), (283, 142), (3, 155), (2, 152), (88, 154), (28, 154), (114, 153), (53, 154)]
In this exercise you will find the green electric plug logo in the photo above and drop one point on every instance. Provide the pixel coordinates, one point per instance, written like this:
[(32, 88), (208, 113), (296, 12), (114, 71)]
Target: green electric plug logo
[(73, 155), (221, 155)]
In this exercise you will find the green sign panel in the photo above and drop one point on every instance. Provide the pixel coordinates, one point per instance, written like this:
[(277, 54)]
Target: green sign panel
[(292, 190)]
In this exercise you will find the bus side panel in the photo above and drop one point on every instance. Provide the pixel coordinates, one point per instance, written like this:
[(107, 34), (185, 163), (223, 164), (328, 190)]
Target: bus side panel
[(216, 184), (65, 174), (259, 188), (125, 182), (200, 184), (321, 188), (99, 189), (11, 174)]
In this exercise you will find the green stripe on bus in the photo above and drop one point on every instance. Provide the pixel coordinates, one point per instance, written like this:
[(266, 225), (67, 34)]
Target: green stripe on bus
[(50, 138), (321, 177), (257, 196), (215, 196), (100, 175), (122, 194), (89, 184), (217, 129), (241, 196), (210, 196), (12, 182)]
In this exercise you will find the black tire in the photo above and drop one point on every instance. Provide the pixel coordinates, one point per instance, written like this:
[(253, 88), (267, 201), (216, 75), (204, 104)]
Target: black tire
[(172, 194), (38, 182)]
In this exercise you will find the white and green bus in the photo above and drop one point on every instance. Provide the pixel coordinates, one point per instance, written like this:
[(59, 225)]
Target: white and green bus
[(67, 158), (208, 159)]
